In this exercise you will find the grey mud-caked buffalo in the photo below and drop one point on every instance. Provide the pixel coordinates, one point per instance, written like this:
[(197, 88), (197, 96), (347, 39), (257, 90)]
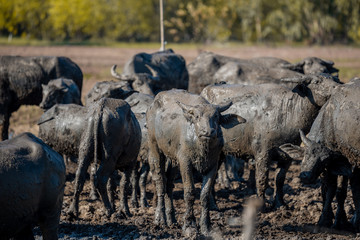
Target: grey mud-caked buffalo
[(111, 139), (169, 67), (21, 79), (332, 149), (139, 103), (274, 114), (184, 131), (32, 181), (60, 91), (209, 68), (105, 133)]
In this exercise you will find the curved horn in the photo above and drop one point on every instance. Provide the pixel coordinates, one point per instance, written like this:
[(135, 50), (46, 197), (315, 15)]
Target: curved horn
[(117, 75), (154, 73), (304, 139), (224, 107)]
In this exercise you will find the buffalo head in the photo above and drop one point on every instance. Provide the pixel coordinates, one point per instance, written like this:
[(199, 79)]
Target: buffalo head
[(206, 119), (60, 91), (318, 158), (141, 82)]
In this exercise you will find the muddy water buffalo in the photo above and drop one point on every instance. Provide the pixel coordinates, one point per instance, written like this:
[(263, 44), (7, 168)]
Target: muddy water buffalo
[(32, 181), (333, 147), (60, 91), (209, 68), (21, 79), (274, 114), (111, 139), (184, 131), (169, 67), (139, 103)]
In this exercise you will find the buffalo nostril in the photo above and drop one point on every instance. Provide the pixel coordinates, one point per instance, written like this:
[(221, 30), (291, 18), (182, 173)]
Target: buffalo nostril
[(304, 175)]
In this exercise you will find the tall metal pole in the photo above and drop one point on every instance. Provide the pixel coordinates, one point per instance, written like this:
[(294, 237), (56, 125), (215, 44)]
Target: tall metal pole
[(162, 38)]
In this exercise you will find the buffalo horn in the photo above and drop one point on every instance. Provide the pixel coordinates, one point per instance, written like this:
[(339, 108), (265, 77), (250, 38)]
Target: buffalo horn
[(117, 75), (304, 139)]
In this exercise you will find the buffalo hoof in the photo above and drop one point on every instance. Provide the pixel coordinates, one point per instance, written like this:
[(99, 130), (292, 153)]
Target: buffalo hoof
[(134, 204), (190, 232), (355, 221), (278, 202), (326, 220), (144, 204), (160, 218)]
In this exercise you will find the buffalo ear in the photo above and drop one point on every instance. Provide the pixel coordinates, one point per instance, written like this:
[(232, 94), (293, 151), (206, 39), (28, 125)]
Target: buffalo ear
[(228, 121), (187, 110)]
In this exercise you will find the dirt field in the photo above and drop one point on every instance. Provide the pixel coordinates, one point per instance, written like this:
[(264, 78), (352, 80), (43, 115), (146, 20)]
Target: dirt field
[(296, 221)]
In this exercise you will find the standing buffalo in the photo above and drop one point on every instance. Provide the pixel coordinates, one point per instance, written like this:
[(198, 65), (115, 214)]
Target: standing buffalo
[(184, 131), (32, 181), (169, 67), (333, 147), (111, 139), (273, 114), (139, 103), (21, 79), (209, 68)]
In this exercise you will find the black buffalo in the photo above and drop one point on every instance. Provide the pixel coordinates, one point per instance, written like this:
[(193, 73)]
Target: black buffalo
[(32, 181), (21, 79)]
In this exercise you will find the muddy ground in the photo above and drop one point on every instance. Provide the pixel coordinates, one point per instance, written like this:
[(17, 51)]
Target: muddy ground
[(295, 221)]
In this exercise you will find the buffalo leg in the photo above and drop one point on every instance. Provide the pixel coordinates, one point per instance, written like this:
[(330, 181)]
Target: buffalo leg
[(102, 177), (93, 193), (341, 221), (144, 172), (124, 190), (328, 189), (158, 173), (262, 174), (189, 193), (205, 201), (169, 207), (284, 163), (355, 188), (251, 184), (49, 223), (80, 177), (134, 179)]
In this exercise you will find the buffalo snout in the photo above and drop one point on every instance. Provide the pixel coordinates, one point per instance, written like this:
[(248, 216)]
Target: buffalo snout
[(306, 178)]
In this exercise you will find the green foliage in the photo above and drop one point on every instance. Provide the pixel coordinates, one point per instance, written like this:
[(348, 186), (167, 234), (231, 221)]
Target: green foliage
[(310, 21)]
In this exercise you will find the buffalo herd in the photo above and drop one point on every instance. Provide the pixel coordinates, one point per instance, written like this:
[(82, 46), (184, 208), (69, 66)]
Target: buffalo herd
[(161, 117)]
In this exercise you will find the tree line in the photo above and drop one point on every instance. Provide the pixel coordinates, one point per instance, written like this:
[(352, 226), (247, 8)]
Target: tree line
[(309, 21)]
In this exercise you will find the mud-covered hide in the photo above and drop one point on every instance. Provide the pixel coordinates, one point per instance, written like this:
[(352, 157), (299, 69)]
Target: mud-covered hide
[(60, 91), (209, 68), (111, 139), (169, 66), (332, 149), (32, 181), (185, 129), (274, 114), (62, 126), (21, 79)]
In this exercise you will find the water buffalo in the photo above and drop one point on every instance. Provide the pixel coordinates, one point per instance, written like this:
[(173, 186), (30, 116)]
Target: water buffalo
[(209, 68), (184, 131), (169, 66), (139, 103), (111, 139), (21, 79), (273, 114), (32, 181), (60, 91), (333, 147)]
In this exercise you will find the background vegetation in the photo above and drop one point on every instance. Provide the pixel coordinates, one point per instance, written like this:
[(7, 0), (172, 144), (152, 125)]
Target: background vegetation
[(305, 21)]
